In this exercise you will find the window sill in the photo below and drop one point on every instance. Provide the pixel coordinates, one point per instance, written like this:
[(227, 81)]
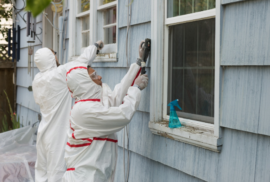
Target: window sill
[(203, 138), (107, 6), (106, 57)]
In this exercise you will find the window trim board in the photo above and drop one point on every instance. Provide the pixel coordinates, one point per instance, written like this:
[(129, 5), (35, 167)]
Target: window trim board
[(189, 135), (107, 6), (207, 14)]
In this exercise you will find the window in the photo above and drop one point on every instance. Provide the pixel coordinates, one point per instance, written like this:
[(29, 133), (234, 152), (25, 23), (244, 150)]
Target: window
[(107, 29), (90, 21), (183, 7), (191, 59), (192, 69), (82, 25), (187, 67), (110, 26)]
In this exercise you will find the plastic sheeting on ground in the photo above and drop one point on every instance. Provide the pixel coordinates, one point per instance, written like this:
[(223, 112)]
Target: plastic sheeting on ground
[(17, 155)]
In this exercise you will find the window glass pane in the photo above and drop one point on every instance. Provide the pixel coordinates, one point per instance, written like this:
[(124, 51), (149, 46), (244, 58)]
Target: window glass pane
[(110, 16), (192, 70), (85, 5), (107, 1), (182, 7), (110, 35), (85, 23), (85, 39)]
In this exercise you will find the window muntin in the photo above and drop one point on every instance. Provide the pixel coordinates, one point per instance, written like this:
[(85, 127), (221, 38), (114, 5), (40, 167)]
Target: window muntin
[(192, 69), (84, 6), (107, 1), (183, 7), (110, 16), (85, 21), (110, 25), (82, 25)]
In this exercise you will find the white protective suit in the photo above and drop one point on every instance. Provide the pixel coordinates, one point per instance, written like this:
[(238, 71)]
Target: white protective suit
[(98, 113), (51, 94)]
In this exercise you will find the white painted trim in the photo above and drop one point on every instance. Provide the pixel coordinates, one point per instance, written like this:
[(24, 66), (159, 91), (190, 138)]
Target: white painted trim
[(110, 25), (212, 140), (98, 59), (157, 59), (43, 28), (191, 17), (72, 29), (93, 21), (188, 135), (107, 6), (218, 70), (101, 60), (165, 71), (80, 15), (85, 31)]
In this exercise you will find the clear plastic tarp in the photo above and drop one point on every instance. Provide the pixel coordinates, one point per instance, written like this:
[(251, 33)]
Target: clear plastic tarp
[(17, 155)]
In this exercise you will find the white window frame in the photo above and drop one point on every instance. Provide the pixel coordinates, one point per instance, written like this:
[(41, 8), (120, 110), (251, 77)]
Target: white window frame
[(78, 16), (194, 132), (109, 52), (54, 33), (74, 41)]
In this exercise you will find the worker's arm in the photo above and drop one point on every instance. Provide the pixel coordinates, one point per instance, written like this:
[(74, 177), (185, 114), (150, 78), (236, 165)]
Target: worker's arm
[(88, 55), (120, 90), (96, 120)]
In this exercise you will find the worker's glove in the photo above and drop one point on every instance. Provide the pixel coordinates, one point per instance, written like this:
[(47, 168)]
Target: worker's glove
[(99, 44), (141, 81), (139, 60)]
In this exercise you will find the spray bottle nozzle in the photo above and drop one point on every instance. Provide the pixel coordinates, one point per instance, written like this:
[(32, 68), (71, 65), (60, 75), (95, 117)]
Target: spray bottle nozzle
[(174, 103)]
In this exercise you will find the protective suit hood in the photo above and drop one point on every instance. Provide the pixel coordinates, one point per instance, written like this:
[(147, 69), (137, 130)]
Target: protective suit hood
[(45, 60), (81, 85)]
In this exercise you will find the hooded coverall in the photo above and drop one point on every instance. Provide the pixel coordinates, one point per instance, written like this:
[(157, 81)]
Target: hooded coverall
[(98, 113), (51, 94)]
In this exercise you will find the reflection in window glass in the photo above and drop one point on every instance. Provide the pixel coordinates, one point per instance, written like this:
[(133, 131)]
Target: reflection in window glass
[(85, 23), (192, 70), (183, 7), (110, 35), (85, 5), (107, 1), (110, 16), (85, 39)]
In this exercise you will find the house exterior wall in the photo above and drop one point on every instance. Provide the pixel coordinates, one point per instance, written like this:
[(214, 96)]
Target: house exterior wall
[(27, 109), (245, 154)]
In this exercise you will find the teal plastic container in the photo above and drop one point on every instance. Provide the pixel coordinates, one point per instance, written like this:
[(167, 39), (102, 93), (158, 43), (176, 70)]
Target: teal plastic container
[(174, 121)]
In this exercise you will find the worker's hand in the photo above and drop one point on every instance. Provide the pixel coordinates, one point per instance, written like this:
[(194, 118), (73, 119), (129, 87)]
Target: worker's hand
[(100, 44), (142, 81)]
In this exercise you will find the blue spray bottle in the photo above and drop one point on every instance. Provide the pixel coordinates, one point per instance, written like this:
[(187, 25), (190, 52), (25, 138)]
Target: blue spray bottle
[(174, 120)]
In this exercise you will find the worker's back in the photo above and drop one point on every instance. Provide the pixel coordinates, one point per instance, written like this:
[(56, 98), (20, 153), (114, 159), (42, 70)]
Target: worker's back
[(51, 94)]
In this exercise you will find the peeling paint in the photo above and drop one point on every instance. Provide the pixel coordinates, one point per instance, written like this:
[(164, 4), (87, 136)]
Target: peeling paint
[(164, 134)]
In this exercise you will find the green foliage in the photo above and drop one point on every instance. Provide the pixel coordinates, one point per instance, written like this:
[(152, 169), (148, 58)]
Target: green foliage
[(14, 119), (36, 6), (4, 124), (85, 5), (6, 14), (107, 1)]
